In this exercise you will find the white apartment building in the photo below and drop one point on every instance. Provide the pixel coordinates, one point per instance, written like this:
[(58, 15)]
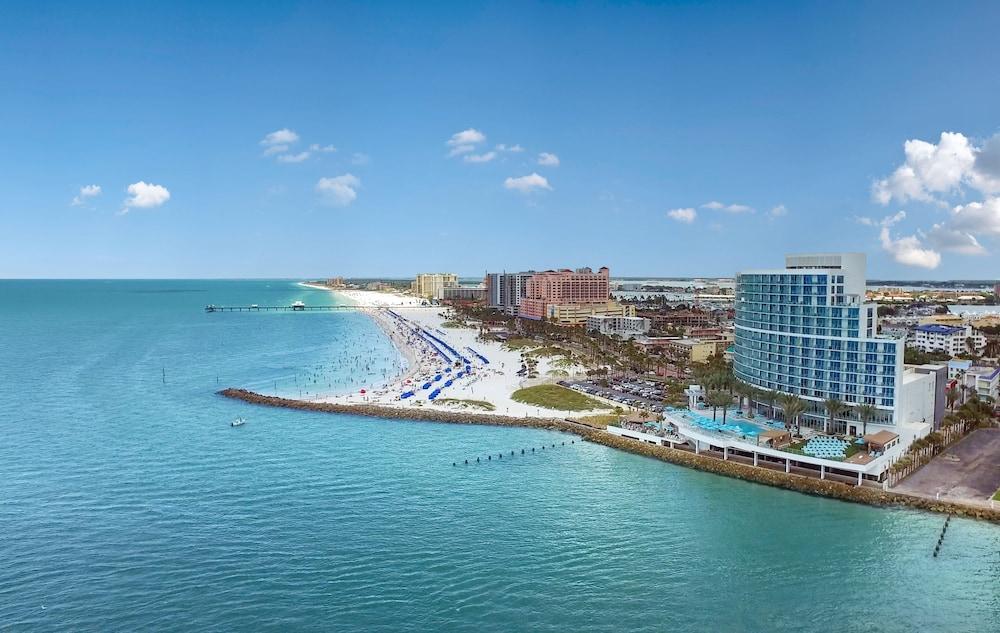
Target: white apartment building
[(623, 326), (946, 338)]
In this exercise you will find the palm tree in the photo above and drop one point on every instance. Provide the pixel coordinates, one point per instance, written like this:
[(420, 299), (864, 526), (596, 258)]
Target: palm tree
[(769, 398), (793, 407), (866, 412), (952, 397), (834, 408), (716, 399), (992, 348), (743, 390)]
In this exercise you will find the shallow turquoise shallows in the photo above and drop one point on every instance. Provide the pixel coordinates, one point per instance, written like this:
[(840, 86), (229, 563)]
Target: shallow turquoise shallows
[(127, 502)]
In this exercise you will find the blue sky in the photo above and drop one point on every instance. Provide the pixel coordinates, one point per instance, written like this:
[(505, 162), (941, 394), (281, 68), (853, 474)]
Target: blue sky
[(654, 112)]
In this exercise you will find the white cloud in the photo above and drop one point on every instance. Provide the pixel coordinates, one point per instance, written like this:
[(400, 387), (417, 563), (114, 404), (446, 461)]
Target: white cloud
[(948, 239), (294, 158), (979, 217), (143, 195), (323, 149), (527, 184), (547, 159), (464, 142), (360, 159), (284, 136), (509, 148), (470, 136), (339, 191), (480, 158), (715, 205), (941, 168), (276, 149), (778, 211), (86, 192), (908, 250), (686, 215)]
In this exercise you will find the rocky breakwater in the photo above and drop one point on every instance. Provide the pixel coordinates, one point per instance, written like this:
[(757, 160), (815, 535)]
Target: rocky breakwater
[(798, 483), (408, 414)]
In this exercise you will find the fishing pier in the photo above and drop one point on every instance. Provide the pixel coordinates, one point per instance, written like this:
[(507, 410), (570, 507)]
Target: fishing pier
[(288, 308)]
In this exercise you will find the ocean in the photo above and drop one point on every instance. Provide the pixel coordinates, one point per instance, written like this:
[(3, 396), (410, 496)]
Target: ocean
[(127, 502)]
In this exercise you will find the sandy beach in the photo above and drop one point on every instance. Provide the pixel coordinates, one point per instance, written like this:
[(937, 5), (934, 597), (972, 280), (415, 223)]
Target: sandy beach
[(416, 331)]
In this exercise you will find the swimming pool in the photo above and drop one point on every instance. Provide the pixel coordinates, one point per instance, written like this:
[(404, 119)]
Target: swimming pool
[(738, 427)]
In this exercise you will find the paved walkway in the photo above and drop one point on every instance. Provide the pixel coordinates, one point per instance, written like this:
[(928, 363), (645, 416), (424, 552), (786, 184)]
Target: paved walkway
[(968, 471)]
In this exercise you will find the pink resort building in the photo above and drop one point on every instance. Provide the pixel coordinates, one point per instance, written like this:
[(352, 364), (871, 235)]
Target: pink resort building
[(568, 297)]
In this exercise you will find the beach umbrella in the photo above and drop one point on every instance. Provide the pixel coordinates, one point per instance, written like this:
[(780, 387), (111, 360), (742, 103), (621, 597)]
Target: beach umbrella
[(363, 392)]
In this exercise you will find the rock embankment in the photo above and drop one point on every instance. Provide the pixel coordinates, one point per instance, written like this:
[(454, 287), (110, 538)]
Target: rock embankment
[(798, 483)]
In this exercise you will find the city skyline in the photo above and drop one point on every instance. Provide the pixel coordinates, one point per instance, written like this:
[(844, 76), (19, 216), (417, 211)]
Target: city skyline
[(681, 141)]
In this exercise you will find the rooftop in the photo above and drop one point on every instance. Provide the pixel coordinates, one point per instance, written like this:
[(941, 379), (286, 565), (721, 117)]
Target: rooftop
[(933, 328)]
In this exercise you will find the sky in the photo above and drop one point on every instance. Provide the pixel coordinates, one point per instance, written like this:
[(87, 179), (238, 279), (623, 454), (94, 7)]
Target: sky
[(307, 139)]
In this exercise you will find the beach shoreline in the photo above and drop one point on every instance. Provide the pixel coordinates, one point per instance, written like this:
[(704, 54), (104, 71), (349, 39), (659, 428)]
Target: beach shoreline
[(491, 374)]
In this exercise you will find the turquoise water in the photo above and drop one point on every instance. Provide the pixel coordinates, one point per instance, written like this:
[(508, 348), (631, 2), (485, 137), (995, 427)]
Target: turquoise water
[(128, 503)]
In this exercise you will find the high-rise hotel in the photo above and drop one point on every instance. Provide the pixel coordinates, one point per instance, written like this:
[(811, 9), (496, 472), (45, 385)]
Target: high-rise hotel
[(805, 329)]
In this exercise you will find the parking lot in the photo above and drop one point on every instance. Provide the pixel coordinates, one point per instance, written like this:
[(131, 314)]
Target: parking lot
[(645, 394), (968, 470)]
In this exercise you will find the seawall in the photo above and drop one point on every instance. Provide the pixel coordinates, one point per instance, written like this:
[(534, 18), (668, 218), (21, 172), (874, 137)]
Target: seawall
[(777, 479)]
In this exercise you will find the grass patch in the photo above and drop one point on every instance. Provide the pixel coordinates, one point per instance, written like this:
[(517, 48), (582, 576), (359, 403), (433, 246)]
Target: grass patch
[(556, 397), (453, 324), (482, 405), (600, 421), (519, 343), (996, 496), (548, 350)]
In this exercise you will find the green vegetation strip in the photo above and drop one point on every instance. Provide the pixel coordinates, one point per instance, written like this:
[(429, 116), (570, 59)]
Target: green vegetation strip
[(468, 404), (520, 343), (549, 350), (996, 497), (556, 397)]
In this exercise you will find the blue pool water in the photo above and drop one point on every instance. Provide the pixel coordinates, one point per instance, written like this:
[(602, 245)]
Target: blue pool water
[(127, 502), (731, 425)]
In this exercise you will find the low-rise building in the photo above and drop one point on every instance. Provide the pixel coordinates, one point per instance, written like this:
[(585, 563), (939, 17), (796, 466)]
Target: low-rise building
[(674, 318), (691, 349), (622, 326), (463, 294), (577, 313), (983, 381), (948, 339)]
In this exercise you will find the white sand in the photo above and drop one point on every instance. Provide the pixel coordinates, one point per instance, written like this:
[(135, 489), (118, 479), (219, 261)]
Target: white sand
[(493, 382), (371, 297)]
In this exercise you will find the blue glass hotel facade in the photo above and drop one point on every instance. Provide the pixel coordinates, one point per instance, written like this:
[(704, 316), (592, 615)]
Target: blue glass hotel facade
[(805, 329)]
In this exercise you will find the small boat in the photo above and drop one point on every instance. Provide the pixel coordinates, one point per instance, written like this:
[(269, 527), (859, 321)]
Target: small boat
[(238, 422), (254, 306), (298, 305)]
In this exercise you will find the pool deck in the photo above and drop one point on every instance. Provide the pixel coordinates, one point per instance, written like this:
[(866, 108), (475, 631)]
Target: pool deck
[(731, 445)]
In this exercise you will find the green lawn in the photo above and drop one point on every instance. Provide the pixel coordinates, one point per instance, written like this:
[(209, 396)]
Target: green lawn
[(556, 397), (520, 343), (468, 404), (549, 350), (996, 497), (452, 324)]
